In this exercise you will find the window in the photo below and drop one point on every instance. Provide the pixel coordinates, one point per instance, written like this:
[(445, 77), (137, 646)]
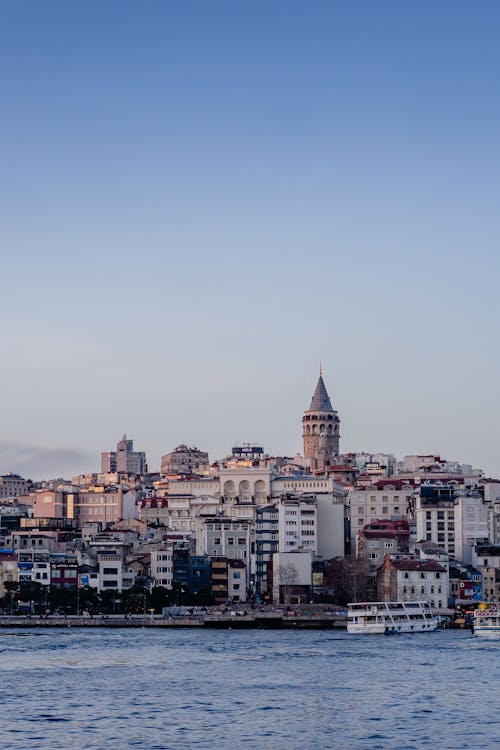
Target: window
[(216, 539), (241, 540), (236, 575), (230, 540), (110, 571)]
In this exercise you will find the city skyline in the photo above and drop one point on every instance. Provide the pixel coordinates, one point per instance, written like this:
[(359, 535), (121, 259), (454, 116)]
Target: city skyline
[(77, 462), (201, 203)]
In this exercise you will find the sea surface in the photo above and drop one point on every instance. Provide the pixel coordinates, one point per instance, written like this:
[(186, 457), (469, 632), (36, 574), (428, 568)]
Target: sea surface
[(224, 689)]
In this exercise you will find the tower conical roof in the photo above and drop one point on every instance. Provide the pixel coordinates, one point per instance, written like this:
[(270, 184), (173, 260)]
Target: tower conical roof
[(321, 400)]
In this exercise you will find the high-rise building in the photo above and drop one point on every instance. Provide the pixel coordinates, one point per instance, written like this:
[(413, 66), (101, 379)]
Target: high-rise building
[(124, 459), (320, 429)]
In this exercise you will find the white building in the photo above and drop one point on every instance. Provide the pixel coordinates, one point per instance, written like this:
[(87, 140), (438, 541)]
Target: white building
[(413, 580), (162, 566), (298, 524), (246, 484), (223, 537), (111, 572), (471, 524), (453, 518)]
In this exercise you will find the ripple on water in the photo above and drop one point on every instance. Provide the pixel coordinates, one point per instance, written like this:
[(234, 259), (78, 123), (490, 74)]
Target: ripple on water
[(220, 690)]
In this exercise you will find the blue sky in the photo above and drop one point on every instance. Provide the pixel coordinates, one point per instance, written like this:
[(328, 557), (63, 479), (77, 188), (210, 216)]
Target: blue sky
[(201, 201)]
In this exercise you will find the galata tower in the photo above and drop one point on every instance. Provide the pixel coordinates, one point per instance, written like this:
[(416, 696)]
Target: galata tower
[(320, 429)]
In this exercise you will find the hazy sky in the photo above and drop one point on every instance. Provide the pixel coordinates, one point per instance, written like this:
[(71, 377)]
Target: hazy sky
[(202, 200)]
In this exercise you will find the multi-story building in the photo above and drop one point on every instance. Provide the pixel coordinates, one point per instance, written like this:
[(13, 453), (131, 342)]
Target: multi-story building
[(220, 579), (486, 555), (224, 537), (298, 524), (490, 584), (382, 538), (102, 504), (184, 460), (266, 543), (471, 523), (236, 581), (112, 573), (200, 575), (412, 580), (8, 569), (435, 515), (453, 517), (491, 491), (50, 504), (63, 571), (12, 485), (124, 459), (34, 566), (162, 571), (383, 499)]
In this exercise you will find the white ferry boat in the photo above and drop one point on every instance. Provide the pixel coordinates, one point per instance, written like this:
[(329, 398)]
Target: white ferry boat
[(487, 621), (390, 617)]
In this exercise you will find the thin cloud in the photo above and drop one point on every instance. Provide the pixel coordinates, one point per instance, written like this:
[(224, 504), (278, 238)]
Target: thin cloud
[(41, 461)]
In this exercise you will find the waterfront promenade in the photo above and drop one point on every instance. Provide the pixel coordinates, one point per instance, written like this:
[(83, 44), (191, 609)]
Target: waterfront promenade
[(211, 618)]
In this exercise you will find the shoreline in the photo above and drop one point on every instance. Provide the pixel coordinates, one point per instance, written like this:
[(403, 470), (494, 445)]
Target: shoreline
[(259, 622)]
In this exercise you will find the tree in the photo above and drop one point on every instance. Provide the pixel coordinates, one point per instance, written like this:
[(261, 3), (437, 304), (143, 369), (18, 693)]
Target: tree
[(349, 577), (287, 578), (11, 594)]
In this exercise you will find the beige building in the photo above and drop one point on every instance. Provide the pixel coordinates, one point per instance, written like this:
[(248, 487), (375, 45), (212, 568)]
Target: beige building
[(8, 571), (12, 485), (384, 499), (184, 460)]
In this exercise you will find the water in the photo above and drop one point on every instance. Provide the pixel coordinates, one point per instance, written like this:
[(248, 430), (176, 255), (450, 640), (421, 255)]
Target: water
[(221, 690)]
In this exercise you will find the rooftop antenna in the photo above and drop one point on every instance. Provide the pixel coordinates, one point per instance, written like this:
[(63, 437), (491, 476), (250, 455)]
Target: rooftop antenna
[(321, 368)]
